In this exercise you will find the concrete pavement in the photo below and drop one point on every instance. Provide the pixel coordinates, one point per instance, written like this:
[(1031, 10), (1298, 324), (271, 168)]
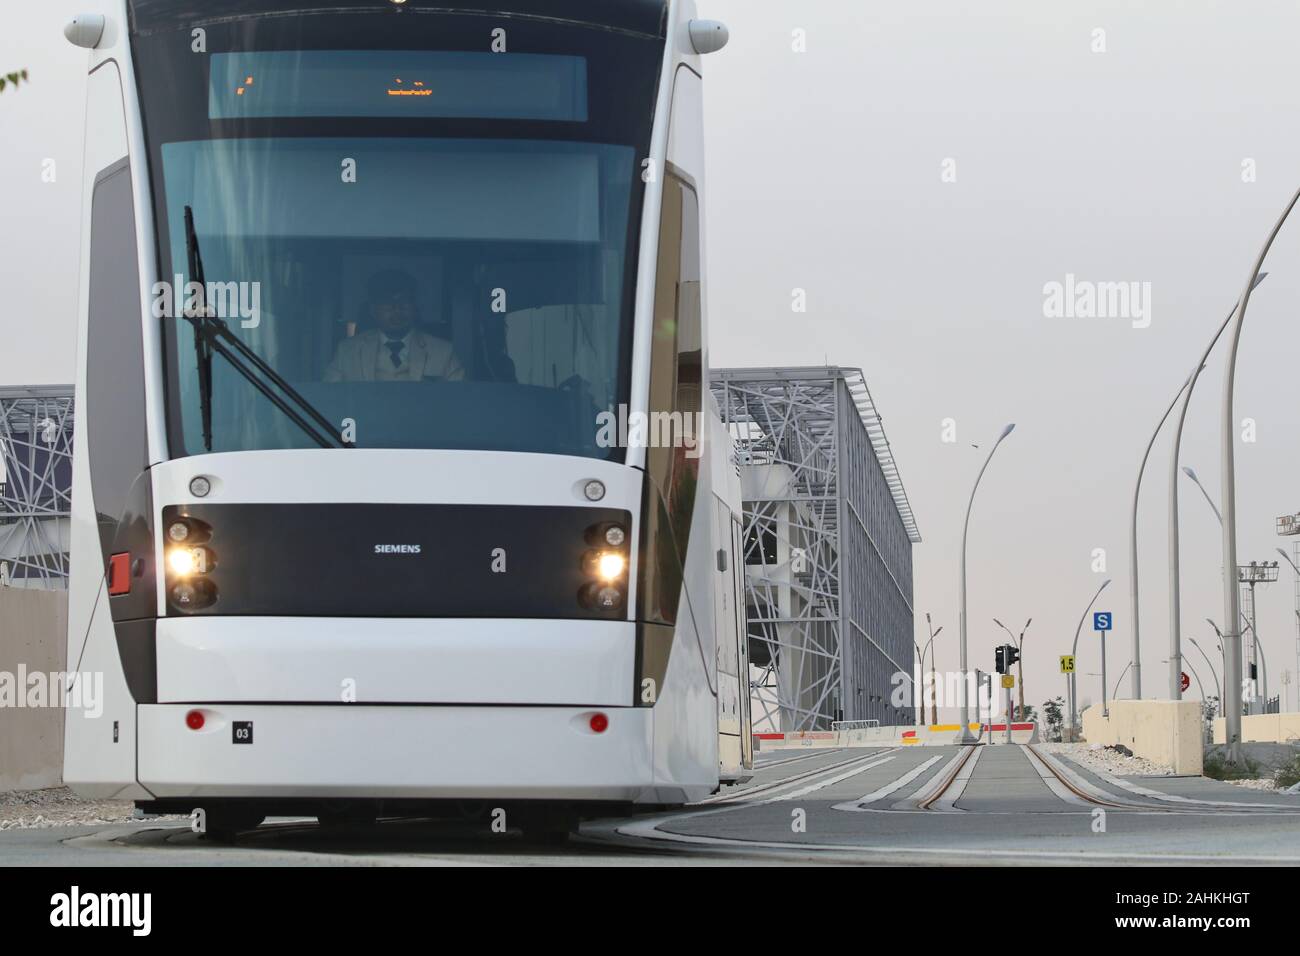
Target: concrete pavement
[(993, 804)]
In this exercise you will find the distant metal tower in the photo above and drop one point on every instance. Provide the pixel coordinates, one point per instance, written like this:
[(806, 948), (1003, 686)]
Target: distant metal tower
[(35, 484), (1249, 575), (828, 547), (1289, 525)]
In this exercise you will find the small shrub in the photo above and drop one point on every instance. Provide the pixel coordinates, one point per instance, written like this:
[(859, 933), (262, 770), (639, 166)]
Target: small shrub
[(1288, 775), (1217, 768)]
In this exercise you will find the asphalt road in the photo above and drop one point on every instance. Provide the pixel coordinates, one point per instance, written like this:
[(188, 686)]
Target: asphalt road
[(936, 805)]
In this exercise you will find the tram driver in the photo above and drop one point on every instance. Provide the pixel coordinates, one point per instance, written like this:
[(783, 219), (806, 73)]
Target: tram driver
[(393, 349)]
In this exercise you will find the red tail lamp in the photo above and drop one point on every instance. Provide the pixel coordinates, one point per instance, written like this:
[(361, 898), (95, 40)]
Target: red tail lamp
[(599, 723), (194, 720)]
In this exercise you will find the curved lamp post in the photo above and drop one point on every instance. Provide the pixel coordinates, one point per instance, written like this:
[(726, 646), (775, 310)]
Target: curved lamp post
[(1208, 500), (1231, 600), (1133, 550), (934, 702), (1218, 688), (1261, 688), (1020, 660), (964, 736), (1114, 694), (1175, 575), (1223, 654), (1074, 652), (1186, 393)]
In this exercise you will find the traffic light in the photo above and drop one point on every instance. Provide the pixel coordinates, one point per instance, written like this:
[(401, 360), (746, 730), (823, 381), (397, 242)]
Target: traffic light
[(1013, 655), (1000, 655)]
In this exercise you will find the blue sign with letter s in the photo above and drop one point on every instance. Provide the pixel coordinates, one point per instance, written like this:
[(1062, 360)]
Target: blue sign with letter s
[(1101, 621)]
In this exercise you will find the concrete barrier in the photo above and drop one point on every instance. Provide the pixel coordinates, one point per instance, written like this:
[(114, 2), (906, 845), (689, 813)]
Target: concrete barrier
[(1263, 729), (1167, 732), (33, 640), (934, 735)]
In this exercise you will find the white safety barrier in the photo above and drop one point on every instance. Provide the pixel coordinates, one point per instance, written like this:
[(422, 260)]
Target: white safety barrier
[(934, 735)]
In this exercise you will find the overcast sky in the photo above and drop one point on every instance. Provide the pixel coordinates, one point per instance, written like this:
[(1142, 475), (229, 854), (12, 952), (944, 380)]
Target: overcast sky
[(830, 170)]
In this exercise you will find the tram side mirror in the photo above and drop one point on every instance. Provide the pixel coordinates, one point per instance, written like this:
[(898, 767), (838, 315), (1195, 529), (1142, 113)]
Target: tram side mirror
[(708, 36), (85, 30)]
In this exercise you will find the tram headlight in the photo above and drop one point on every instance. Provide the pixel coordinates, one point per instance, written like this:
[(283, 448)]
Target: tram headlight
[(185, 561), (604, 565), (181, 561), (610, 566)]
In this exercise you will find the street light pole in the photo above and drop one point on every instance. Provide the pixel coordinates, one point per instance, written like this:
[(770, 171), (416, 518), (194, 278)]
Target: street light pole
[(1202, 721), (964, 736), (1114, 694), (1208, 500), (1218, 688), (1133, 551), (1223, 659), (918, 684), (1074, 652), (934, 703), (1231, 605), (1020, 665), (1020, 660), (1262, 686), (1175, 571)]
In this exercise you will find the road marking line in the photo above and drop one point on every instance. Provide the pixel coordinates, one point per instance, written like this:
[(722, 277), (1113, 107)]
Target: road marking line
[(860, 804), (742, 797), (817, 785)]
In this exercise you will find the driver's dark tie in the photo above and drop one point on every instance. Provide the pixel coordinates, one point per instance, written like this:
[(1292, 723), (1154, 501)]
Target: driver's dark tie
[(395, 350)]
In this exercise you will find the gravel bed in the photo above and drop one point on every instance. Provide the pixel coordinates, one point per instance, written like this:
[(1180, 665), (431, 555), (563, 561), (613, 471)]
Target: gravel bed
[(60, 807), (1097, 757)]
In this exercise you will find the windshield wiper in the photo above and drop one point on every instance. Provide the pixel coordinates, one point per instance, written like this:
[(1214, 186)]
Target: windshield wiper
[(213, 335)]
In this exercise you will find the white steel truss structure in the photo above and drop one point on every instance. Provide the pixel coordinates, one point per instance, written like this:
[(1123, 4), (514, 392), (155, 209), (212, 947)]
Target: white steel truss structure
[(35, 484), (828, 547)]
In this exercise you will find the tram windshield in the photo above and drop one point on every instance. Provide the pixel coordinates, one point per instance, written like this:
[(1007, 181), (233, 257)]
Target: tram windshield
[(434, 248)]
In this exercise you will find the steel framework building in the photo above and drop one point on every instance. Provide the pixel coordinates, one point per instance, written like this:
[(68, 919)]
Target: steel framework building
[(35, 485), (828, 548)]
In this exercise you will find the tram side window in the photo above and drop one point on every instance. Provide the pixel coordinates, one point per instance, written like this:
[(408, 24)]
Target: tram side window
[(114, 399), (676, 364)]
